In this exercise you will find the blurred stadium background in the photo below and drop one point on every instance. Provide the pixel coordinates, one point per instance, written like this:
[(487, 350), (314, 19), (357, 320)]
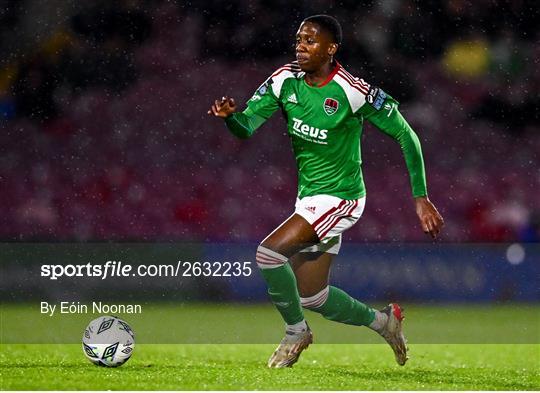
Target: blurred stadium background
[(105, 135)]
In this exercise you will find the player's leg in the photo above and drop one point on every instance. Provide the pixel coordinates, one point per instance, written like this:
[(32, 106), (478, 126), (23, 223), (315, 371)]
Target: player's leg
[(312, 269), (320, 217), (272, 258)]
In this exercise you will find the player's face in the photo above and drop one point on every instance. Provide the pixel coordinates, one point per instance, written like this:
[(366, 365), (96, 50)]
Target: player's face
[(314, 48)]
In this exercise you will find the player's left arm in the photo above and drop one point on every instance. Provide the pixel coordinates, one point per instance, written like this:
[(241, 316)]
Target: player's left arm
[(382, 111)]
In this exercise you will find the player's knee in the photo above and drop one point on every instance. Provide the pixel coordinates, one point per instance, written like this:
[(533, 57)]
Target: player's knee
[(275, 244), (316, 300), (268, 259)]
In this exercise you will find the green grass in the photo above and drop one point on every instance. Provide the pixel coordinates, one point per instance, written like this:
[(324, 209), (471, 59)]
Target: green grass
[(453, 347), (261, 324), (242, 367)]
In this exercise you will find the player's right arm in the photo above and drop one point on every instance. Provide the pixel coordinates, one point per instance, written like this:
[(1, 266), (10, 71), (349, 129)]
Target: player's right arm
[(259, 108), (373, 104)]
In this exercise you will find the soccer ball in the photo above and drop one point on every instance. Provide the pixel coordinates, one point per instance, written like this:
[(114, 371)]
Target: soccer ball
[(108, 341)]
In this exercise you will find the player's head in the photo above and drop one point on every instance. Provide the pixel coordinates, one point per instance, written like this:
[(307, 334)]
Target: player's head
[(317, 41)]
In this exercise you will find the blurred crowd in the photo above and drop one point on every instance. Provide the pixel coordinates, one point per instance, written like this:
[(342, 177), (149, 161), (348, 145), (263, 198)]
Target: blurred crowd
[(105, 134)]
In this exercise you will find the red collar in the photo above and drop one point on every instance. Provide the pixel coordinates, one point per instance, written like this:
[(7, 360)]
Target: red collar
[(328, 78)]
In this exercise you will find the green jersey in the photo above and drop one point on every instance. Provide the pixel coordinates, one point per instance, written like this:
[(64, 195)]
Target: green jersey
[(325, 125)]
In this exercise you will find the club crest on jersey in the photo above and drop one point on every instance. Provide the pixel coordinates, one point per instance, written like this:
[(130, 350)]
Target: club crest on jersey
[(330, 106)]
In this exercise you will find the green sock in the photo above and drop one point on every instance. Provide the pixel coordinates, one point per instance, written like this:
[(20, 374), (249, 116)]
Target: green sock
[(284, 293), (340, 307)]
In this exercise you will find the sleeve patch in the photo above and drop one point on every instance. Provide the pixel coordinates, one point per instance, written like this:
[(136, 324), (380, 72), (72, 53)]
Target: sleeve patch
[(376, 97), (264, 87), (261, 90)]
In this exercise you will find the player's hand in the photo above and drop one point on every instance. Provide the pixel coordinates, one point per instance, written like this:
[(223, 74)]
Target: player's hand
[(223, 108), (430, 219)]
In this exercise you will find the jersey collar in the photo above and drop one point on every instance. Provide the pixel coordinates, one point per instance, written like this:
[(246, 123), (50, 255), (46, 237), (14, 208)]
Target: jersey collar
[(329, 78)]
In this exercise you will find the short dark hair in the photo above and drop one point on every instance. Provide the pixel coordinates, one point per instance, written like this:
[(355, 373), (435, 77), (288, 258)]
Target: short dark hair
[(329, 24)]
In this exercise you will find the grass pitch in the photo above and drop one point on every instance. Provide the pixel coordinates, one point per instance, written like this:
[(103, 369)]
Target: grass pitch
[(452, 348), (242, 367), (228, 323)]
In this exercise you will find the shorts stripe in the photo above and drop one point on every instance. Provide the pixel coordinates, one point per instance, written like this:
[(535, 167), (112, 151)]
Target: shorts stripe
[(330, 211), (332, 217), (337, 215), (338, 219)]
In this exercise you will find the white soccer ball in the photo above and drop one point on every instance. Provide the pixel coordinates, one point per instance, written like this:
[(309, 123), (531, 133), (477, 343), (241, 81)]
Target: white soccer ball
[(108, 341)]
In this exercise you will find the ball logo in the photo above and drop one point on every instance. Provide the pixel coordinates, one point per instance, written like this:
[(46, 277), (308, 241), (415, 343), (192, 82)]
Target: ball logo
[(126, 327), (105, 325), (89, 351), (127, 350), (110, 351), (330, 106)]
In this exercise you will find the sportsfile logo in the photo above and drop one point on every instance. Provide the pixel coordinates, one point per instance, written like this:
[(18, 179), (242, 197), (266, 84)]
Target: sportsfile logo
[(119, 269), (309, 133)]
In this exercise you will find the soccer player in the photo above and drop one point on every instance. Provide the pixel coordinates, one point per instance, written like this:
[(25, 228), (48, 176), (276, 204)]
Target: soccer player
[(325, 106)]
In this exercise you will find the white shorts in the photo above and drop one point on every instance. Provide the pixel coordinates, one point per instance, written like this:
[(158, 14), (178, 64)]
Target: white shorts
[(330, 216)]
